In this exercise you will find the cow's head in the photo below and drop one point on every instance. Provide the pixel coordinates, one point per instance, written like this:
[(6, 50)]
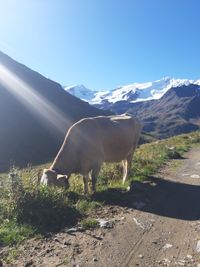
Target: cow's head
[(50, 177)]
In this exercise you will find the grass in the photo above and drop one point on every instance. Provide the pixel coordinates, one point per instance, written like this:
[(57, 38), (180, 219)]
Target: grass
[(86, 205), (11, 232), (150, 157), (27, 209), (11, 256), (175, 164), (89, 223)]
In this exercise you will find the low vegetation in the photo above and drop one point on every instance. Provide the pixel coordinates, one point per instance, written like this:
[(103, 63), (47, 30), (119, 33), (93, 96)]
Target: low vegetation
[(27, 209)]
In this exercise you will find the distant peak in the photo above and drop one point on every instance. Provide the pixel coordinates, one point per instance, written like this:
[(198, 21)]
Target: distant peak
[(135, 92)]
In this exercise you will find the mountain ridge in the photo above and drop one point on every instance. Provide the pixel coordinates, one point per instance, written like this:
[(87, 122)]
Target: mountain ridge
[(174, 110), (136, 92)]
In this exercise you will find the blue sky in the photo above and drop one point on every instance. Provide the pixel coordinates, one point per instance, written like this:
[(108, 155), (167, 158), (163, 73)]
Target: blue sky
[(103, 43)]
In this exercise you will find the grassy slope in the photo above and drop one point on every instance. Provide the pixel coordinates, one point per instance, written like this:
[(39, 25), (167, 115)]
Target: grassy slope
[(27, 209)]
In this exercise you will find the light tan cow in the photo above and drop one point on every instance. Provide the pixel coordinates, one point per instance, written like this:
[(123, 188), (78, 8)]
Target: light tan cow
[(89, 143)]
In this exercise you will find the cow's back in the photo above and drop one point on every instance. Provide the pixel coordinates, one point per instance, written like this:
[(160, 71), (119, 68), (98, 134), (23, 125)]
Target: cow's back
[(118, 135)]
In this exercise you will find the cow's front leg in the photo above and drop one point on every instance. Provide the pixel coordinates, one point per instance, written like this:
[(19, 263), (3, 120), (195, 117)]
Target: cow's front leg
[(125, 170), (85, 180)]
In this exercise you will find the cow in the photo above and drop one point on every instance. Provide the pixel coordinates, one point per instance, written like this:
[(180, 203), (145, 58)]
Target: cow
[(90, 142)]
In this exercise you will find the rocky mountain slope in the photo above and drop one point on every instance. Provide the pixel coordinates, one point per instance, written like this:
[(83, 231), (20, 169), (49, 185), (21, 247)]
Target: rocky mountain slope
[(35, 113), (178, 111), (166, 107)]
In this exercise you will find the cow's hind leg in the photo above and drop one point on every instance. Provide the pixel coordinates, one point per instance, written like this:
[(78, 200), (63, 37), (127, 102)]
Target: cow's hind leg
[(85, 180), (95, 173), (127, 166)]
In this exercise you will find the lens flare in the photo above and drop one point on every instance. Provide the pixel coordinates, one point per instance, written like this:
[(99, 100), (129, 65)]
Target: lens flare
[(33, 101)]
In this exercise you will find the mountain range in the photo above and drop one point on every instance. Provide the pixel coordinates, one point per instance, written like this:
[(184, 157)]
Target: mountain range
[(35, 113), (136, 92), (166, 107)]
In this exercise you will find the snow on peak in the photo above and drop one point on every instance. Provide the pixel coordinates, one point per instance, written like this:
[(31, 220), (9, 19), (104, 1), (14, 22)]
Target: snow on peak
[(135, 92), (81, 92)]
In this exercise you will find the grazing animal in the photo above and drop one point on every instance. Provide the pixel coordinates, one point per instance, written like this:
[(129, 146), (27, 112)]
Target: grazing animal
[(92, 141)]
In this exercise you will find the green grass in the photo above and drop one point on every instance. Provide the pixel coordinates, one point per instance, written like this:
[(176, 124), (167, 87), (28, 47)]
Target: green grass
[(27, 209), (86, 205), (11, 232), (89, 223)]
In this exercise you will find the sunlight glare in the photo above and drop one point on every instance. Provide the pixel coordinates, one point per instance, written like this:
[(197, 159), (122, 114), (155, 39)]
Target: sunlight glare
[(33, 101)]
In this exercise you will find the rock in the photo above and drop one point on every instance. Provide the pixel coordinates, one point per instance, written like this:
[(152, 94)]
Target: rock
[(74, 229), (105, 223), (95, 259), (98, 237), (128, 188), (67, 243), (196, 176), (189, 257), (198, 246), (141, 256), (181, 262), (166, 246), (138, 223), (167, 261), (29, 263)]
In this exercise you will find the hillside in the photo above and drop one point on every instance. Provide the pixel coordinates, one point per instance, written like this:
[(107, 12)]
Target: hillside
[(166, 107), (35, 113), (177, 111)]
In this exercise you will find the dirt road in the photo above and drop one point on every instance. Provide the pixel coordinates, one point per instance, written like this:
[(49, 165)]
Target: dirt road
[(157, 223), (167, 230)]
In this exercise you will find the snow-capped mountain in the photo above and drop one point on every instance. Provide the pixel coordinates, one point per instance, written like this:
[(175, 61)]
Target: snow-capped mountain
[(81, 92), (136, 92)]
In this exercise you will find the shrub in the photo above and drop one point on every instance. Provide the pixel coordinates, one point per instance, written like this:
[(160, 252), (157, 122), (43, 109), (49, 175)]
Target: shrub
[(43, 209)]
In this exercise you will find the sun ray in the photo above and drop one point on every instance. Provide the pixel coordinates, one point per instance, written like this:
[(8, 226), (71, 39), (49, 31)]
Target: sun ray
[(34, 101)]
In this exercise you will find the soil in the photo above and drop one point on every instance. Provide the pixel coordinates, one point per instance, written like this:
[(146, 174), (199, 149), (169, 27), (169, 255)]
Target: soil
[(156, 223)]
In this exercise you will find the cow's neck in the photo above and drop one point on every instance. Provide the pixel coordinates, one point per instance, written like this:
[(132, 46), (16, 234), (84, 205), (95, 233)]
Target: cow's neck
[(62, 164)]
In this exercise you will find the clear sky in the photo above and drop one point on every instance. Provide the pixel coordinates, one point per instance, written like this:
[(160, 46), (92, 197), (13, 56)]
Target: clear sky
[(103, 43)]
